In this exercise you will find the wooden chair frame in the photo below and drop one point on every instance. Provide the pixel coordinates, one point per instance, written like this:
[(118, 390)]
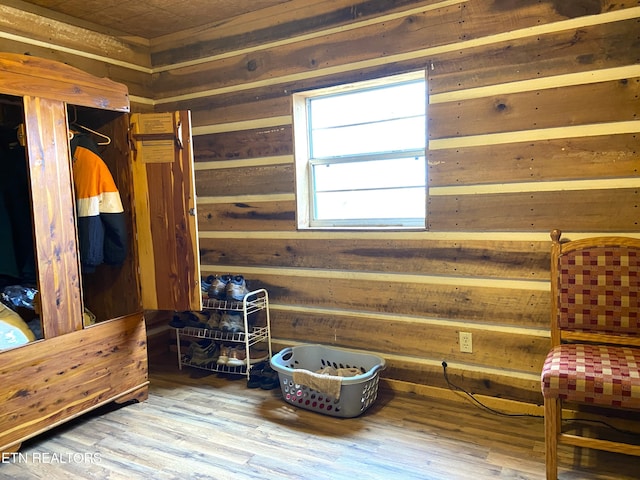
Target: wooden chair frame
[(553, 405)]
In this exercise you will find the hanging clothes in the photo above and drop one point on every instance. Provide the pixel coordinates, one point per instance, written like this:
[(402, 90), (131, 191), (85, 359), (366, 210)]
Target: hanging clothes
[(102, 232), (17, 259)]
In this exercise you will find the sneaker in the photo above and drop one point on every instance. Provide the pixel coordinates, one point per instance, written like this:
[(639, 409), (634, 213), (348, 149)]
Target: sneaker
[(176, 322), (224, 354), (198, 319), (187, 319), (202, 352), (214, 320), (205, 283), (237, 288), (231, 322), (218, 287), (238, 356)]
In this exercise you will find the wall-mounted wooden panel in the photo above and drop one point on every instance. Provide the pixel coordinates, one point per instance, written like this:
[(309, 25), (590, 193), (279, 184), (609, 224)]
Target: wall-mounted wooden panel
[(476, 258), (385, 294), (494, 349), (242, 112), (247, 216), (615, 101), (578, 49), (499, 384), (257, 180), (615, 210), (607, 156), (262, 142)]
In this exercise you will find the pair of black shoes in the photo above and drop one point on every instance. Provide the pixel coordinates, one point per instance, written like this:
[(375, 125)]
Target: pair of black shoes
[(263, 376)]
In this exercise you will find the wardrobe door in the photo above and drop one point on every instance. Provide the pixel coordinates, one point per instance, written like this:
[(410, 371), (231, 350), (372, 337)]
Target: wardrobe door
[(53, 204), (165, 211)]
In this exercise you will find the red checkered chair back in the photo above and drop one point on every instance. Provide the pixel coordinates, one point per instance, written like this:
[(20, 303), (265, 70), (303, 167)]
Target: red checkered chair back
[(598, 289)]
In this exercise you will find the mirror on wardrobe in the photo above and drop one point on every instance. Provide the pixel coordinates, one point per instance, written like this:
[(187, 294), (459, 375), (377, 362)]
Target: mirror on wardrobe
[(19, 318)]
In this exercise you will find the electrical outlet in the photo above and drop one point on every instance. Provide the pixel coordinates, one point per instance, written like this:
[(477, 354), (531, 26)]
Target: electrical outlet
[(466, 342)]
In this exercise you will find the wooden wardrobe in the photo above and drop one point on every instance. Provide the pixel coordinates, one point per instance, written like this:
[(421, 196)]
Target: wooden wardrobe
[(77, 367)]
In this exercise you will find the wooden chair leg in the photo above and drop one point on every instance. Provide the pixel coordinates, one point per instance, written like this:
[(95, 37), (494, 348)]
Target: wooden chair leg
[(552, 421)]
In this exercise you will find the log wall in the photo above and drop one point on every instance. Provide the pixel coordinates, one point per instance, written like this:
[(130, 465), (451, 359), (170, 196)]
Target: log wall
[(532, 125)]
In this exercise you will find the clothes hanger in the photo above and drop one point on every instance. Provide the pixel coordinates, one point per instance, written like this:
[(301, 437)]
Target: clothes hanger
[(107, 140)]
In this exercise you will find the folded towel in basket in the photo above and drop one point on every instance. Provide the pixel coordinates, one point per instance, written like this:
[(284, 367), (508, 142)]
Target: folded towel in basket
[(330, 385)]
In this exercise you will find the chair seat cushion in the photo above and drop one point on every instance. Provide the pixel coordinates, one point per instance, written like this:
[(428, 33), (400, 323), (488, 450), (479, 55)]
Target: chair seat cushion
[(602, 375)]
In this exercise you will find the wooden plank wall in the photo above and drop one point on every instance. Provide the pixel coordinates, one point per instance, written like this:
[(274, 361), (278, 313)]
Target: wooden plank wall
[(533, 125)]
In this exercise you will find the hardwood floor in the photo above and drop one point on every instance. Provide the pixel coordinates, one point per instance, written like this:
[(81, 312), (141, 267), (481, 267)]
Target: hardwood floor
[(200, 426)]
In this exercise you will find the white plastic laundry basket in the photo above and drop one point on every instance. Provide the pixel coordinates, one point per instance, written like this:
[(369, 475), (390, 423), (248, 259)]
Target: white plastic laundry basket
[(357, 393)]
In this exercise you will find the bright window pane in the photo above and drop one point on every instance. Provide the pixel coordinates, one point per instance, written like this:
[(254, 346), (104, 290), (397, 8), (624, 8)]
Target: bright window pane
[(371, 204), (400, 172), (371, 105), (370, 189), (384, 119), (390, 136)]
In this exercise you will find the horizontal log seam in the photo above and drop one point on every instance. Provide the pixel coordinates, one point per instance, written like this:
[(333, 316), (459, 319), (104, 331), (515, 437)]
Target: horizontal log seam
[(535, 187), (141, 100), (608, 17), (244, 163), (243, 125), (382, 236), (544, 83), (473, 326), (535, 285), (554, 133), (278, 197)]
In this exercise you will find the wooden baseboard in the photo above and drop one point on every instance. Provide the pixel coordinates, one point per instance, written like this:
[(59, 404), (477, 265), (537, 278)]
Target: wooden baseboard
[(499, 404)]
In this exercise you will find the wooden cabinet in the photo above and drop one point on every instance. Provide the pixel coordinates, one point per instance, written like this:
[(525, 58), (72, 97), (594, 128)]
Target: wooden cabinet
[(76, 367)]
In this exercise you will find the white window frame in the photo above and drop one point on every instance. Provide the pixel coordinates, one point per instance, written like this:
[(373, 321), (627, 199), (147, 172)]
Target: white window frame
[(303, 163)]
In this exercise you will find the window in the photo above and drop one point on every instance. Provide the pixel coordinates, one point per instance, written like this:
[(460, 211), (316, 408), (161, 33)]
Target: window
[(360, 154)]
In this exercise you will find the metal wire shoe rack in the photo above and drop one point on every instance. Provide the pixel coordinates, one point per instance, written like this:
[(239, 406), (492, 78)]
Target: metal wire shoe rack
[(253, 302)]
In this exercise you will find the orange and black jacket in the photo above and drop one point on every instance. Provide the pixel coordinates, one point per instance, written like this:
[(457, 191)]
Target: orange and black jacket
[(102, 232)]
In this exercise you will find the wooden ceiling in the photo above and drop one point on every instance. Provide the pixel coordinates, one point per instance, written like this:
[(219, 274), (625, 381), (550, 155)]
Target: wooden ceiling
[(148, 19)]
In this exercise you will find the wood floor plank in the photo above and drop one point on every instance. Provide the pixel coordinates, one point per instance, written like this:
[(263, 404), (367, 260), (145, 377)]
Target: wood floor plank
[(197, 425)]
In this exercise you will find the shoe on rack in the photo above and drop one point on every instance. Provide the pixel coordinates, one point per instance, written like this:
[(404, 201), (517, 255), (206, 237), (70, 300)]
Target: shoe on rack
[(176, 322), (214, 320), (231, 322), (198, 319), (205, 283), (218, 287), (186, 319), (202, 352), (237, 288), (238, 356), (223, 358)]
